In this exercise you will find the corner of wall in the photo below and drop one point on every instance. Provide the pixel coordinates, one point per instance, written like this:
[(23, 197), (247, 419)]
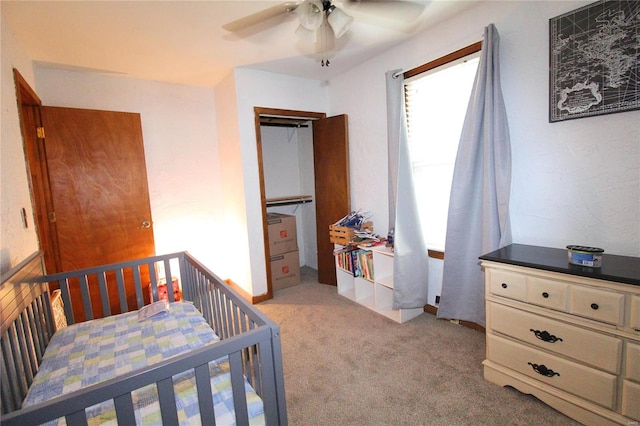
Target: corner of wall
[(16, 241), (237, 264)]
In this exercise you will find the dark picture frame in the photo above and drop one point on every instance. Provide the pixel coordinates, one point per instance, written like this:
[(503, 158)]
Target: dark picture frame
[(594, 60)]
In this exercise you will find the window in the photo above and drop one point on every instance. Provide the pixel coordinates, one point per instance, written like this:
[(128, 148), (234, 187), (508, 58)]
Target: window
[(437, 96)]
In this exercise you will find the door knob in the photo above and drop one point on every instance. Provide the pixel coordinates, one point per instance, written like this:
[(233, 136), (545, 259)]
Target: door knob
[(145, 224)]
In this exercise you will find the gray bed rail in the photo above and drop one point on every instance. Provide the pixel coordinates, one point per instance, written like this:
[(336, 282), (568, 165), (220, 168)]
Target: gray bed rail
[(248, 338)]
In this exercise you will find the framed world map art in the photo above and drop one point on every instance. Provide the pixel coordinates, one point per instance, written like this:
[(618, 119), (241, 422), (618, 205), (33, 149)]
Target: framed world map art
[(594, 60)]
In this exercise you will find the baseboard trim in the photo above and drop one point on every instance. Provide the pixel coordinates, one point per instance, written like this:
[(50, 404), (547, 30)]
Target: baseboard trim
[(433, 310)]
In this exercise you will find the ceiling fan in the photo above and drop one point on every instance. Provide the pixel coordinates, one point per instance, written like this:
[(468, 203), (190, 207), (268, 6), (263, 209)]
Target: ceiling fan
[(316, 17)]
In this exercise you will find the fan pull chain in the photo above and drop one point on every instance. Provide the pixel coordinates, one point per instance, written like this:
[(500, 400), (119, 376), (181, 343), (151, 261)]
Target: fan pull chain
[(324, 43)]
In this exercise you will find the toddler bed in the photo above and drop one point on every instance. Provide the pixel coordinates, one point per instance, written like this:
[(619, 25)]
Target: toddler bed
[(210, 359)]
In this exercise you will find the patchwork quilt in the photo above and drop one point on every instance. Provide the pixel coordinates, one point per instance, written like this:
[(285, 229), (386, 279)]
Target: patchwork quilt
[(94, 351)]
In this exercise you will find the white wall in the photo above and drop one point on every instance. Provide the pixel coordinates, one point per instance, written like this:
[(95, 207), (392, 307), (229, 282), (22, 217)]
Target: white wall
[(281, 161), (287, 158), (573, 182), (181, 150), (16, 242), (258, 89)]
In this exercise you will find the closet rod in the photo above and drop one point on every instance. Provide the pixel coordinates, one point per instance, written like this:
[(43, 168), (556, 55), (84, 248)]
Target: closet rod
[(287, 201)]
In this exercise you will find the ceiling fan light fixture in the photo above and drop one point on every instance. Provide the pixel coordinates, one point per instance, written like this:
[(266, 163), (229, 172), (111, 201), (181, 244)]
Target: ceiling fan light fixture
[(306, 34), (310, 14), (339, 21)]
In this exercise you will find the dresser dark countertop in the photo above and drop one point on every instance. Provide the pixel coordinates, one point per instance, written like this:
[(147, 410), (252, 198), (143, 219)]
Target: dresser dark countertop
[(622, 269)]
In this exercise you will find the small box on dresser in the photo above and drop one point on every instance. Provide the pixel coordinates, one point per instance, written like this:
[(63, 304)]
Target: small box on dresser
[(568, 334)]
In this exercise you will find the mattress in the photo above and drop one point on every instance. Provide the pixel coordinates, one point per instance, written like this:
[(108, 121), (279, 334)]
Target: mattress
[(94, 351)]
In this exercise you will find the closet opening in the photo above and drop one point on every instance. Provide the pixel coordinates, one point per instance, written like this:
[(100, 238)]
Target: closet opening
[(287, 185), (303, 162)]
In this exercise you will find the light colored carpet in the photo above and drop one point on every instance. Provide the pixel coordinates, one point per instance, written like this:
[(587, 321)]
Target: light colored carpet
[(347, 365)]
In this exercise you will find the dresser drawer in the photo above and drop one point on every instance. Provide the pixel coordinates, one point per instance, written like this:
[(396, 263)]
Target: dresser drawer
[(583, 345), (631, 399), (547, 293), (633, 362), (605, 306), (585, 382), (508, 284), (634, 318)]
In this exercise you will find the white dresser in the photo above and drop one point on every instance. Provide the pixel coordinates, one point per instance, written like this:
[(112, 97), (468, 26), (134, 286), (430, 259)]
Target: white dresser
[(570, 335)]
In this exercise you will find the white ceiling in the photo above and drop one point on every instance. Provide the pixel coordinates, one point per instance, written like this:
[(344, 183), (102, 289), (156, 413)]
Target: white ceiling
[(183, 41)]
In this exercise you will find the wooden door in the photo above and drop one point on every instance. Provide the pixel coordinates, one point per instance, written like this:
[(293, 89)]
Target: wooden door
[(333, 198), (98, 182)]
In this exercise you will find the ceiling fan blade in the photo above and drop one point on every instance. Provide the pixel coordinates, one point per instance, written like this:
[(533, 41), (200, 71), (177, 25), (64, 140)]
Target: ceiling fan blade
[(397, 10), (261, 16)]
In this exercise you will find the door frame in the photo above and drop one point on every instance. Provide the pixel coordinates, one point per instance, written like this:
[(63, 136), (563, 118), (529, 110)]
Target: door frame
[(30, 117), (258, 112)]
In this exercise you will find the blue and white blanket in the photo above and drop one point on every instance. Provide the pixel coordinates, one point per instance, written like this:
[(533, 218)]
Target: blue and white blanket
[(94, 351)]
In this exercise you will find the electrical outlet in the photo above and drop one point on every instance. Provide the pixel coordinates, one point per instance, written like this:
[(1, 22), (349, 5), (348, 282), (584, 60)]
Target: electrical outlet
[(437, 300)]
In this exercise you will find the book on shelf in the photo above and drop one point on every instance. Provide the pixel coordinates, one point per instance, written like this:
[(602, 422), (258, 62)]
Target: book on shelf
[(365, 264)]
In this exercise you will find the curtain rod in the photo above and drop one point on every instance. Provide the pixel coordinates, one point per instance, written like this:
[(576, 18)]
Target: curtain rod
[(472, 48)]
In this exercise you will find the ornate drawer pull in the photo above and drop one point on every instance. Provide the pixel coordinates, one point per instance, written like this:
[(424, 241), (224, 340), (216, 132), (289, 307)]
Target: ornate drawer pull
[(594, 306), (543, 370), (504, 285), (545, 336)]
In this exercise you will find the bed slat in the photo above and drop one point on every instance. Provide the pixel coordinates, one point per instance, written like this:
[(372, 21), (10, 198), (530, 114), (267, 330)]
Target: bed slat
[(124, 409), (122, 291), (154, 281), (137, 282), (44, 319), (167, 399), (13, 373), (63, 284), (78, 418), (169, 280), (86, 298), (205, 402), (104, 294), (6, 402), (27, 359), (267, 382), (38, 328), (237, 384), (32, 347)]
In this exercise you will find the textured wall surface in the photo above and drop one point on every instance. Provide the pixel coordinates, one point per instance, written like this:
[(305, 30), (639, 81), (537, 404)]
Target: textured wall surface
[(181, 151), (16, 241), (573, 182)]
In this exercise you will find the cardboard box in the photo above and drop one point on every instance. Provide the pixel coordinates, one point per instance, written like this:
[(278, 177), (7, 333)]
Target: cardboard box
[(285, 270), (282, 233)]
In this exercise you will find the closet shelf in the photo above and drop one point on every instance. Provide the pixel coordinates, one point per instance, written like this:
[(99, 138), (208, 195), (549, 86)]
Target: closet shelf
[(286, 201)]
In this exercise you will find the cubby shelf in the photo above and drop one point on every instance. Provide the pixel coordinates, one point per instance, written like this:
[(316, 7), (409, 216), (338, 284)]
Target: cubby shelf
[(376, 293)]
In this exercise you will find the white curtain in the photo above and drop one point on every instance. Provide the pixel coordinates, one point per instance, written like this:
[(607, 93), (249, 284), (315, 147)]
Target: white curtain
[(410, 261), (478, 219)]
